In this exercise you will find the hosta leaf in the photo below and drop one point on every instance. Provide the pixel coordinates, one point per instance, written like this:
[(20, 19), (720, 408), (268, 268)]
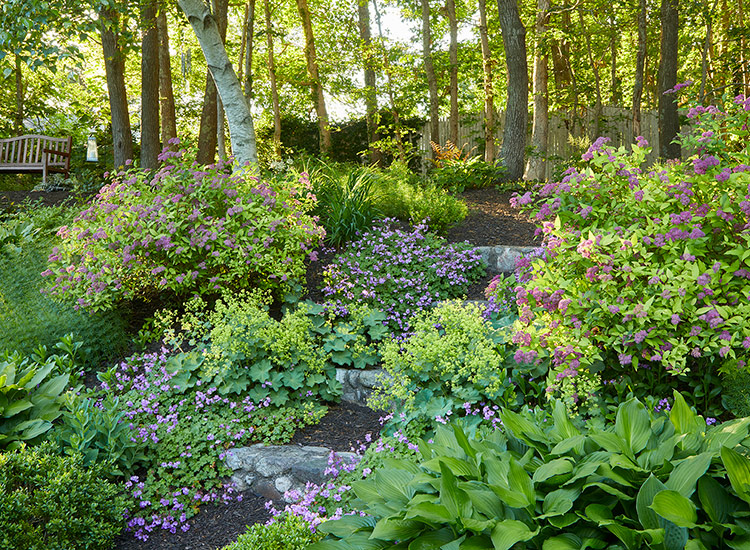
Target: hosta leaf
[(432, 540), (558, 502), (715, 500), (648, 518), (523, 428), (674, 507), (568, 541), (478, 525), (393, 485), (16, 408), (571, 443), (458, 467), (510, 531), (727, 434), (686, 474), (682, 417), (563, 521), (347, 525), (553, 468), (454, 499), (430, 512), (396, 529), (482, 542), (40, 375), (632, 424), (610, 442), (54, 387), (484, 501), (520, 482), (738, 470), (563, 425)]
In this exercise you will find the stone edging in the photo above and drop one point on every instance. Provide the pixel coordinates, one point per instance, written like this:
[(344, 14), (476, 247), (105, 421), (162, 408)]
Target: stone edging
[(502, 258)]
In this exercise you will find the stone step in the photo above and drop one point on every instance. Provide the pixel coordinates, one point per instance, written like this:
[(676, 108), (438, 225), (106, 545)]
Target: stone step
[(502, 258)]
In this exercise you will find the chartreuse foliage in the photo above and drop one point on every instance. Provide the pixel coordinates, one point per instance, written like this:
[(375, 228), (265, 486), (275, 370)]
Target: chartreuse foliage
[(645, 270), (52, 502), (289, 533), (663, 482), (184, 230), (32, 392)]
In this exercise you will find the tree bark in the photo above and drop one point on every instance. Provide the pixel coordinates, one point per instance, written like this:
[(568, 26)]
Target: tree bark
[(450, 10), (207, 130), (669, 123), (429, 68), (514, 134), (272, 79), (371, 99), (18, 123), (250, 43), (536, 167), (640, 62), (114, 65), (150, 128), (220, 8), (241, 127), (706, 49), (596, 130), (168, 117), (489, 100), (614, 82), (316, 86)]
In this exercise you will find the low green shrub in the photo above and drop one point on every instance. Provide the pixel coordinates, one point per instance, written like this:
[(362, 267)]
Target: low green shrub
[(51, 502), (288, 533), (32, 392), (644, 481), (460, 174)]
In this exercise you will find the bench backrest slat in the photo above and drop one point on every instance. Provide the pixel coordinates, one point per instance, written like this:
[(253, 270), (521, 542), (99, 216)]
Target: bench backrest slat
[(28, 150)]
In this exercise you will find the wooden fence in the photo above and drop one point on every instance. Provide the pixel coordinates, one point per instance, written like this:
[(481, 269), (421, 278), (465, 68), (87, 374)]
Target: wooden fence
[(568, 136)]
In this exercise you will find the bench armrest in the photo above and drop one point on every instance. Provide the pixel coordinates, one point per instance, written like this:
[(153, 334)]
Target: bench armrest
[(56, 152)]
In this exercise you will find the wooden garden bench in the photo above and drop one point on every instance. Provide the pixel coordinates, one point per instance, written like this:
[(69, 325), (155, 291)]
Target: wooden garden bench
[(35, 154)]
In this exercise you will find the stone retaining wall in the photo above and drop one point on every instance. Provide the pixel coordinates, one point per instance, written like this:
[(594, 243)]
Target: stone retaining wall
[(502, 259), (358, 384)]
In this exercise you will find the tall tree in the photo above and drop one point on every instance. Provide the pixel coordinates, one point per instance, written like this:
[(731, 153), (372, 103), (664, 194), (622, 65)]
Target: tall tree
[(168, 116), (249, 49), (114, 65), (489, 101), (316, 86), (207, 130), (669, 123), (272, 80), (241, 128), (596, 127), (429, 68), (221, 7), (150, 128), (450, 11), (516, 113), (640, 62), (371, 98), (536, 167)]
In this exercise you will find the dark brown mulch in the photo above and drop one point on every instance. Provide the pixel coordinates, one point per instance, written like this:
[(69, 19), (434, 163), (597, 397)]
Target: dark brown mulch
[(342, 429), (11, 199)]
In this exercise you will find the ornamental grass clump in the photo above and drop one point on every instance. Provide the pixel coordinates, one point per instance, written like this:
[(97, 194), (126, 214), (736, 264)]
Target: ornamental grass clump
[(402, 272), (644, 269), (184, 229)]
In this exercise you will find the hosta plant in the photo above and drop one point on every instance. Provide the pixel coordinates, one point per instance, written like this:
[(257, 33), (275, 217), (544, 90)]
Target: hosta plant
[(645, 481), (644, 269)]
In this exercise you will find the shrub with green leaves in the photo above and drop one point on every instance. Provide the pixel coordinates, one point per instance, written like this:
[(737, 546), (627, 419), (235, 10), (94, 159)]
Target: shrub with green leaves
[(288, 533), (647, 480), (185, 230), (32, 392), (644, 270), (460, 174), (451, 359), (50, 501)]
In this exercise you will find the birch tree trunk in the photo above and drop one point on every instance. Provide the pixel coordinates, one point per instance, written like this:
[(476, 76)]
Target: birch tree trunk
[(228, 86), (430, 72), (220, 8), (18, 122), (514, 134), (166, 92), (150, 128), (371, 98), (316, 86), (114, 65), (640, 62), (450, 10), (669, 123), (536, 167), (489, 101), (272, 79)]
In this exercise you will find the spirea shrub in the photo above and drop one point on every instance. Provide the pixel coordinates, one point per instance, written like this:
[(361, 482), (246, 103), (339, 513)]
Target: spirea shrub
[(643, 269), (186, 229), (289, 533), (402, 272)]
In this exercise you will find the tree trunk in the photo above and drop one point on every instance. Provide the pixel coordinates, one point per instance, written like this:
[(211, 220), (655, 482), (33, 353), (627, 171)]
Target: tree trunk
[(150, 128), (168, 117), (514, 134), (114, 65), (640, 62), (391, 96), (207, 130), (272, 79), (250, 42), (430, 72), (371, 99), (316, 86), (450, 10), (489, 100), (596, 130), (744, 62), (220, 8), (536, 167), (706, 49), (614, 83), (238, 114), (18, 123), (669, 123)]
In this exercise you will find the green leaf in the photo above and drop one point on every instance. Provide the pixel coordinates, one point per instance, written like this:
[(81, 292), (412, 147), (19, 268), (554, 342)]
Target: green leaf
[(682, 417), (648, 518), (396, 529), (632, 424), (553, 468), (54, 387), (558, 502), (568, 541), (346, 525), (393, 485), (715, 500), (510, 531), (16, 407), (686, 474), (454, 499), (432, 540), (674, 507), (430, 512), (738, 470), (520, 482)]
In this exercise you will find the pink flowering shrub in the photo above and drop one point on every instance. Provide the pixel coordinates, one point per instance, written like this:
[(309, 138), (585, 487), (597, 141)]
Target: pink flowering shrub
[(643, 269), (186, 229)]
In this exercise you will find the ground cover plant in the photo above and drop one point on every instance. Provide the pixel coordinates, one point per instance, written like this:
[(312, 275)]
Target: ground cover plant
[(185, 230), (645, 272), (401, 272)]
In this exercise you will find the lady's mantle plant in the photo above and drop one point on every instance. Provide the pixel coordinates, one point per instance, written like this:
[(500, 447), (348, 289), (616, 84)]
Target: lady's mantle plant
[(190, 230), (402, 272), (644, 269)]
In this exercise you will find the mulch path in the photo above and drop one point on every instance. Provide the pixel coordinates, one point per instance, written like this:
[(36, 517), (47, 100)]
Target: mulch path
[(491, 221)]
